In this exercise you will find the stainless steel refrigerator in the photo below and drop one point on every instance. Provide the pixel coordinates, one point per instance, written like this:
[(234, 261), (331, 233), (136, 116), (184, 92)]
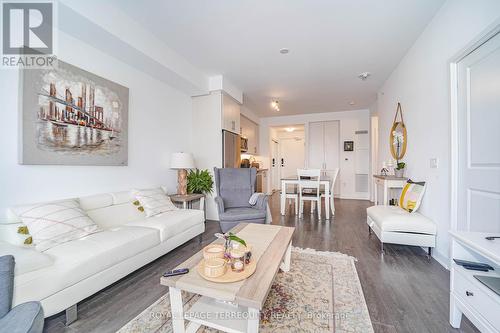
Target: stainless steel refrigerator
[(231, 150)]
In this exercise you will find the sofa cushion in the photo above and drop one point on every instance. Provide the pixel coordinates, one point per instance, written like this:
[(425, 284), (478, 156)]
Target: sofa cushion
[(27, 258), (96, 201), (242, 214), (98, 251), (171, 223), (54, 223), (396, 219), (78, 260)]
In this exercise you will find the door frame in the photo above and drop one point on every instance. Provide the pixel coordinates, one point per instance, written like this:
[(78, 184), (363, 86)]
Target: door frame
[(275, 171), (474, 44)]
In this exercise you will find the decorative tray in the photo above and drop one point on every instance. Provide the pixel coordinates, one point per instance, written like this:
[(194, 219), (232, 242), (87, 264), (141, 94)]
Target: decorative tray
[(229, 276)]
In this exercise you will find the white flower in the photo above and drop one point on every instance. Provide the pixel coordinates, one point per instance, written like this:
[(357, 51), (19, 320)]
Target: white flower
[(398, 138)]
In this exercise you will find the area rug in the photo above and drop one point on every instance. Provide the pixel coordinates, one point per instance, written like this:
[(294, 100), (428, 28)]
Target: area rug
[(320, 293)]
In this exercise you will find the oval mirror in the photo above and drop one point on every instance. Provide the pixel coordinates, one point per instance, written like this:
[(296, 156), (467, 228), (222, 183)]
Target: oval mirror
[(398, 136)]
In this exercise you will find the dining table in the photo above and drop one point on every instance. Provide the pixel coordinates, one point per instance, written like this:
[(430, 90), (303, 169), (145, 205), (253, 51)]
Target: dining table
[(324, 181)]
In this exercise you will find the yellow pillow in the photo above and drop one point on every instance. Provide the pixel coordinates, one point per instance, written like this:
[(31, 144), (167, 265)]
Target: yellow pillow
[(412, 195)]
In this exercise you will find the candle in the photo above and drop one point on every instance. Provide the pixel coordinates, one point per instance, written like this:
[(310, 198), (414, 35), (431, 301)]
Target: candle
[(237, 261)]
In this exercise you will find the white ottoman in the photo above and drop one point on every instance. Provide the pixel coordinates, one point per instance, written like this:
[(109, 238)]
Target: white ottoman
[(393, 224)]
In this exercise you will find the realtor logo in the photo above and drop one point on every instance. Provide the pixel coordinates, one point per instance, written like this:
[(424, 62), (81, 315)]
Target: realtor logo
[(27, 34)]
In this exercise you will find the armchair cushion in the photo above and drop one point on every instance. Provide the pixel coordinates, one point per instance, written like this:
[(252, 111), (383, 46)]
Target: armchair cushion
[(24, 318), (6, 283), (242, 214)]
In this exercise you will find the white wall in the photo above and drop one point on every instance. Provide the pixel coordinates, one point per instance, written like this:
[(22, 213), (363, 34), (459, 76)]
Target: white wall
[(350, 121), (207, 143), (421, 83), (159, 124)]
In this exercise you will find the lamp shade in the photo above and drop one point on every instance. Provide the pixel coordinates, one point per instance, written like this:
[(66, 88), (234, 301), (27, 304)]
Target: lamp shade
[(182, 161)]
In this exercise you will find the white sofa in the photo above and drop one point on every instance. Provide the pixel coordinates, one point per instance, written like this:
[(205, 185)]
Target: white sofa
[(66, 274), (393, 224)]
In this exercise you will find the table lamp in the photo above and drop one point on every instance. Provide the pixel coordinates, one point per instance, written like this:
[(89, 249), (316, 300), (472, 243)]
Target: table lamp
[(182, 162)]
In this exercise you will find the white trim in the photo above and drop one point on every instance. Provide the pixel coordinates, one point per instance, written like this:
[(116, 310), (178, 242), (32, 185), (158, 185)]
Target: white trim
[(441, 259), (482, 38)]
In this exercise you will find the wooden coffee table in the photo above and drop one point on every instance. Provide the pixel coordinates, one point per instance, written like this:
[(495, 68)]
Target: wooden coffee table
[(232, 307)]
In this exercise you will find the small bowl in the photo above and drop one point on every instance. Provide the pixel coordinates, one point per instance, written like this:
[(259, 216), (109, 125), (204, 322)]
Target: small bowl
[(213, 251), (214, 267)]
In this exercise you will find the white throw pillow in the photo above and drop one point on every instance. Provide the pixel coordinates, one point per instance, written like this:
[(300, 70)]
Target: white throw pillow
[(54, 223), (154, 201)]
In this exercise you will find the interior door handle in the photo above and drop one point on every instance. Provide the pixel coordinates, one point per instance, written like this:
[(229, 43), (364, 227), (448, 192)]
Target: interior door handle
[(282, 162), (274, 162)]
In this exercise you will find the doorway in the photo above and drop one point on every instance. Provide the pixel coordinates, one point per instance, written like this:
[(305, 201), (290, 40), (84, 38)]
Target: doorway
[(287, 152), (275, 166)]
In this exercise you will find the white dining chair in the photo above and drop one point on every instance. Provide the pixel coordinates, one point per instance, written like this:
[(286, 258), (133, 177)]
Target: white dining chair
[(332, 185), (292, 196), (309, 186)]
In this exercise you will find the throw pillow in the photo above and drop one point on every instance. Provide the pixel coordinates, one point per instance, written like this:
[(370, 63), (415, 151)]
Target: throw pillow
[(154, 201), (411, 196), (54, 223)]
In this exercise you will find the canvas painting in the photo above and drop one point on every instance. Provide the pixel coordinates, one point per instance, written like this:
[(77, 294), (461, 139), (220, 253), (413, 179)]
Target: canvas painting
[(72, 117)]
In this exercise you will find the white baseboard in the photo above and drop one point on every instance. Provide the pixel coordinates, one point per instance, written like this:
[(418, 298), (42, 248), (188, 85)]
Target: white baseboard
[(440, 258)]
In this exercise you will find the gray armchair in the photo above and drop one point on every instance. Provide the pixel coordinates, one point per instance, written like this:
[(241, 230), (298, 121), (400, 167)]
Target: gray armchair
[(24, 318), (234, 189)]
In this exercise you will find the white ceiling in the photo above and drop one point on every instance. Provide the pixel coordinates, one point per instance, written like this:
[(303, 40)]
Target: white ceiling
[(330, 42)]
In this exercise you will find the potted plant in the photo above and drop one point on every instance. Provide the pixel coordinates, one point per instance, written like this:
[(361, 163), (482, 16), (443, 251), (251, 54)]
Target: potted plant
[(228, 238), (399, 171), (199, 181)]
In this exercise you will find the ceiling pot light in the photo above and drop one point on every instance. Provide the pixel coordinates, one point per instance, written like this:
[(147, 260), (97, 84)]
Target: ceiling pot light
[(290, 129), (365, 75), (284, 51), (352, 103), (275, 104)]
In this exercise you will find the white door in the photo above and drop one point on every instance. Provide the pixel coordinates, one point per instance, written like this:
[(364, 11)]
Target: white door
[(316, 145), (479, 139), (332, 152), (291, 156), (275, 166)]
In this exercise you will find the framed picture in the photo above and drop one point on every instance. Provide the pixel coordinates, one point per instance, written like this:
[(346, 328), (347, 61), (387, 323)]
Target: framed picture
[(348, 145), (72, 117)]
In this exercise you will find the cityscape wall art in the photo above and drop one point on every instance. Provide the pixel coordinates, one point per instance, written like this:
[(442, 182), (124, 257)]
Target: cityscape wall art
[(72, 117)]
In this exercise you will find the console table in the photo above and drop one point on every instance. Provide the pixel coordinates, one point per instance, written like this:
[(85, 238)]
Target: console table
[(468, 295), (387, 182)]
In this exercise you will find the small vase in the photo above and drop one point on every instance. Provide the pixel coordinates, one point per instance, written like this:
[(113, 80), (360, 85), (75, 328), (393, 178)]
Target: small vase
[(399, 173)]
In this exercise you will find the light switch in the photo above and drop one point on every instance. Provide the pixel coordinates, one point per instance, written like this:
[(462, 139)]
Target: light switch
[(434, 163)]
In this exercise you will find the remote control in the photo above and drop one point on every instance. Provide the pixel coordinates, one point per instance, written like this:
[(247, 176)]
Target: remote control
[(175, 272), (472, 264), (475, 268)]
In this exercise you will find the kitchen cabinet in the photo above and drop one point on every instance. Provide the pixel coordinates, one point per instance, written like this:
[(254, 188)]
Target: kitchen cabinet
[(250, 131), (324, 142), (230, 114)]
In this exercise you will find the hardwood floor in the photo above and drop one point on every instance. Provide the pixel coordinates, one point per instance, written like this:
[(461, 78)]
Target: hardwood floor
[(404, 290)]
